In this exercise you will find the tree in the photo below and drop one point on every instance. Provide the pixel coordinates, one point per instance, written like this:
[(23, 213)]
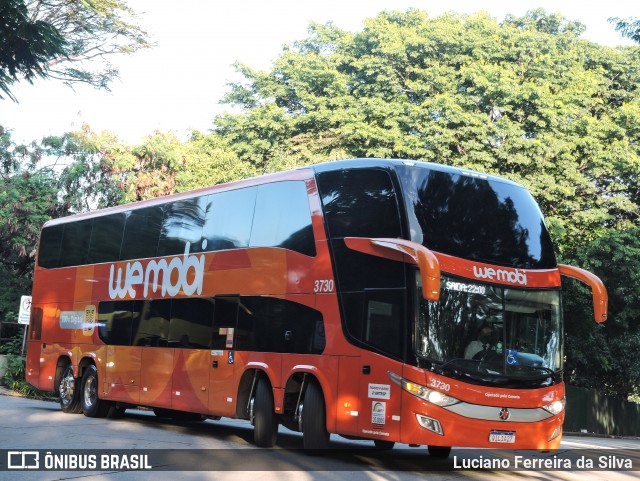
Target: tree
[(525, 98), (600, 356), (27, 45), (68, 40), (627, 27), (28, 198)]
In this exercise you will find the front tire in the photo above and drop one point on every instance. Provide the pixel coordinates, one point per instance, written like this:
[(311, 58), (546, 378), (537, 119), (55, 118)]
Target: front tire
[(314, 419), (440, 452), (383, 445), (265, 423), (69, 392), (92, 405)]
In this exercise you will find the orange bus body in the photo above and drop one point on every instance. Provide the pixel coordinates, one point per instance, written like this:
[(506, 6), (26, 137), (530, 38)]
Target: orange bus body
[(366, 394)]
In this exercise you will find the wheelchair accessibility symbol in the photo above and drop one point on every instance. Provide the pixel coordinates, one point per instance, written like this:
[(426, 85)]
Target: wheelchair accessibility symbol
[(512, 357)]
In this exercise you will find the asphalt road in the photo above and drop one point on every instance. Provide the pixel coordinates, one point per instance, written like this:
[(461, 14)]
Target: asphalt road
[(223, 450)]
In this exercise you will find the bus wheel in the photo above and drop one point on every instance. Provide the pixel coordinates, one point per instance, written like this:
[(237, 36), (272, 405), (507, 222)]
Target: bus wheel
[(92, 405), (263, 418), (441, 452), (383, 445), (314, 419), (69, 392)]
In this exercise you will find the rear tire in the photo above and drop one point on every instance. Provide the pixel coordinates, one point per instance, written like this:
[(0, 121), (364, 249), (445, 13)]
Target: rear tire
[(265, 423), (440, 452), (92, 405), (314, 419), (69, 392)]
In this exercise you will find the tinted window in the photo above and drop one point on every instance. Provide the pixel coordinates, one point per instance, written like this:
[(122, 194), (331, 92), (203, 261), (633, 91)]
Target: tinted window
[(267, 324), (376, 319), (75, 243), (115, 322), (183, 222), (224, 322), (359, 203), (282, 218), (50, 242), (191, 323), (141, 233), (475, 218), (152, 329), (106, 238), (228, 219)]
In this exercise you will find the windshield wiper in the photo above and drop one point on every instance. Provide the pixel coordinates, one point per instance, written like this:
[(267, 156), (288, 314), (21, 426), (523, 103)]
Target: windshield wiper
[(448, 364), (545, 370)]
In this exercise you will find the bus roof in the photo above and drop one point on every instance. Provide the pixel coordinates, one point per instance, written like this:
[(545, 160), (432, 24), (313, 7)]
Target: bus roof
[(301, 173), (392, 163)]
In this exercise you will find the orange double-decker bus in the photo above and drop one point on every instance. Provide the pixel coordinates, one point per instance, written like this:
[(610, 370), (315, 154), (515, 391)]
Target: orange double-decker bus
[(395, 301)]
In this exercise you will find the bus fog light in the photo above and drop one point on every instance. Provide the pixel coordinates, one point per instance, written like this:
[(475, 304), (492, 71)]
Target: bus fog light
[(430, 424), (557, 432)]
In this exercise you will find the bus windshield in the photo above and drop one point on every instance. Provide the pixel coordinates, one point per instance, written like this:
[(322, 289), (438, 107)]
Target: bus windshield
[(491, 334), (482, 219)]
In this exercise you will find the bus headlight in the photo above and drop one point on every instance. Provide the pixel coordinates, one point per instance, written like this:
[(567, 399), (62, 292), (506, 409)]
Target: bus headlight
[(555, 407), (430, 395)]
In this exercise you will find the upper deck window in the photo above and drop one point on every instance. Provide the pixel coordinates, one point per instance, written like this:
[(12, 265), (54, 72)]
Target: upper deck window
[(269, 215)]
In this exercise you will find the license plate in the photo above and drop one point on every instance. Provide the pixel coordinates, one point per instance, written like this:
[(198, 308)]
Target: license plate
[(504, 437)]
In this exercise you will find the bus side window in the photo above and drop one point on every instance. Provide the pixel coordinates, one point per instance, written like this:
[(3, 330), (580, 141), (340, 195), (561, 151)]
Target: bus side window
[(228, 219), (376, 319), (191, 323), (361, 203), (50, 245), (115, 322), (183, 222), (75, 243), (224, 322), (283, 218), (106, 238), (141, 233), (270, 324), (152, 329)]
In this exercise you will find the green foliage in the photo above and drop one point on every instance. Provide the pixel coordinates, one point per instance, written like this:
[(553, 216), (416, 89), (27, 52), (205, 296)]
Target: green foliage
[(15, 375), (28, 198), (525, 98), (603, 356), (67, 40), (627, 27), (13, 346), (27, 45)]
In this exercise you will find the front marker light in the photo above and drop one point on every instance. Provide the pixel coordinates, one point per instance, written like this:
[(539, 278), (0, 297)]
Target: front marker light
[(430, 395), (555, 407)]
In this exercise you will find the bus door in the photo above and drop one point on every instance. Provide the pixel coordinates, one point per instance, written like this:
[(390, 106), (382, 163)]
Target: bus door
[(190, 335), (156, 371), (115, 326), (222, 392), (380, 399)]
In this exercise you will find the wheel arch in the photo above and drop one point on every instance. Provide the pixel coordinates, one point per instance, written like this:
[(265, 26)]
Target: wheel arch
[(255, 371), (317, 375)]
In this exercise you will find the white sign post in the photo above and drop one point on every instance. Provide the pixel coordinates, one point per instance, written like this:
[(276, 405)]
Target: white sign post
[(24, 316)]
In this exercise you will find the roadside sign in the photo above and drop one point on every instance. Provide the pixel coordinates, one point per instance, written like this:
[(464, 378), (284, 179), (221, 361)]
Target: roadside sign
[(24, 316)]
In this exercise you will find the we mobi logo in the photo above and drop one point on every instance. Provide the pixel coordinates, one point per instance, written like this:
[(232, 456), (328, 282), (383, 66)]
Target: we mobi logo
[(515, 276), (170, 277)]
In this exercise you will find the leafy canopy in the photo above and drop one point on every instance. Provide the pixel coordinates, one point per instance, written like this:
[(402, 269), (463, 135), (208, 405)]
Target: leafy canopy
[(67, 40)]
